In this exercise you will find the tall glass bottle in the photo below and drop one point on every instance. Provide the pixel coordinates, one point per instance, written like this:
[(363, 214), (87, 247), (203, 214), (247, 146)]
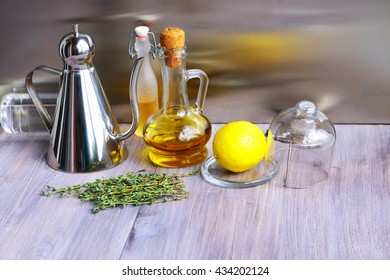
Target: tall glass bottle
[(18, 113), (147, 90), (178, 134)]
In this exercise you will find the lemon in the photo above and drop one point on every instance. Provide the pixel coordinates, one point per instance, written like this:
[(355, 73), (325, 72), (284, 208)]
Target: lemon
[(271, 145), (239, 146)]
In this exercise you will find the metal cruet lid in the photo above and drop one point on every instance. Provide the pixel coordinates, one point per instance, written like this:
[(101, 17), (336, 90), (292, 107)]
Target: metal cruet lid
[(77, 50), (303, 126)]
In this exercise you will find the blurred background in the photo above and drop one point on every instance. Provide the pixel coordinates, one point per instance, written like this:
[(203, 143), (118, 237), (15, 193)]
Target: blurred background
[(261, 56)]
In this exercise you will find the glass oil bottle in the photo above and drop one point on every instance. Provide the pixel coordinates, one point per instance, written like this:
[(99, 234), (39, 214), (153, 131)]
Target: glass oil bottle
[(147, 90), (178, 134)]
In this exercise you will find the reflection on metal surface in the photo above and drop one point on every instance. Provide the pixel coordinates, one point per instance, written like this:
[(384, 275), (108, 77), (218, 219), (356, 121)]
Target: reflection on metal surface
[(265, 55), (84, 134)]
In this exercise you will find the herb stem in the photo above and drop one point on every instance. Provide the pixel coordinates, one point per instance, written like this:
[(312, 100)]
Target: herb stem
[(133, 188)]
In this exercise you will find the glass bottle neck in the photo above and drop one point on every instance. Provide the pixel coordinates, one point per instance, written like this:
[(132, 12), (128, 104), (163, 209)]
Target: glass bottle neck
[(174, 80), (142, 48)]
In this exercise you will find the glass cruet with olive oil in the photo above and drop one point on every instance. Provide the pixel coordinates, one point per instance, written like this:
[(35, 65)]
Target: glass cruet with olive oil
[(147, 88), (177, 135)]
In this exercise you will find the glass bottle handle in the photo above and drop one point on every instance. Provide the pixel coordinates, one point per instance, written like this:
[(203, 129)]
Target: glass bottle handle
[(203, 85)]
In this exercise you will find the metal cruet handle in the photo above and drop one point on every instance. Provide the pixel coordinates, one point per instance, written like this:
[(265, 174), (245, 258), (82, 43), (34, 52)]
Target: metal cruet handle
[(203, 85), (42, 111)]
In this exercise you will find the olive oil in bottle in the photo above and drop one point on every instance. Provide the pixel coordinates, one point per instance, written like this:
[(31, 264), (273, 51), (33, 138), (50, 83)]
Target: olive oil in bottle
[(147, 90), (178, 134), (178, 140)]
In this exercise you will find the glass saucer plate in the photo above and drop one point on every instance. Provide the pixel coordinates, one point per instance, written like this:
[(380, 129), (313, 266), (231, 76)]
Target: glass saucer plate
[(213, 173)]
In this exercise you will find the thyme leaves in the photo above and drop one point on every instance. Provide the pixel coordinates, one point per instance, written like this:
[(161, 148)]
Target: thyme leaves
[(133, 188)]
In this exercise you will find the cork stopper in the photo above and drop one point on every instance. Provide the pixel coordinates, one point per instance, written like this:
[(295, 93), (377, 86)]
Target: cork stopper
[(172, 38)]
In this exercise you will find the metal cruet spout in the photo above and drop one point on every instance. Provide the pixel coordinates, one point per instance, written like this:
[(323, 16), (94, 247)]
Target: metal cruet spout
[(133, 102)]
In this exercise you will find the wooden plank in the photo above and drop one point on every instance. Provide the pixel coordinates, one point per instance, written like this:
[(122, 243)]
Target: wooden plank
[(36, 227), (345, 218), (348, 217)]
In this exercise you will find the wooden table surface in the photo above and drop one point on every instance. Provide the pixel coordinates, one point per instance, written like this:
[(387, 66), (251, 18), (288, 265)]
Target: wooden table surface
[(347, 217)]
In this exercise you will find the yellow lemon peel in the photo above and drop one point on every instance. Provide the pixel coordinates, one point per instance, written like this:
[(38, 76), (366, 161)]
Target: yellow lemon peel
[(239, 146)]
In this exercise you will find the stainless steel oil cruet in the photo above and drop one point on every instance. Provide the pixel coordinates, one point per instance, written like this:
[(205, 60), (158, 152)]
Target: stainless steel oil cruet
[(85, 135)]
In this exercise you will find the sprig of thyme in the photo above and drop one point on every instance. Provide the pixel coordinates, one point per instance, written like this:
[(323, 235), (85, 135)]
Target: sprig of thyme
[(133, 188)]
